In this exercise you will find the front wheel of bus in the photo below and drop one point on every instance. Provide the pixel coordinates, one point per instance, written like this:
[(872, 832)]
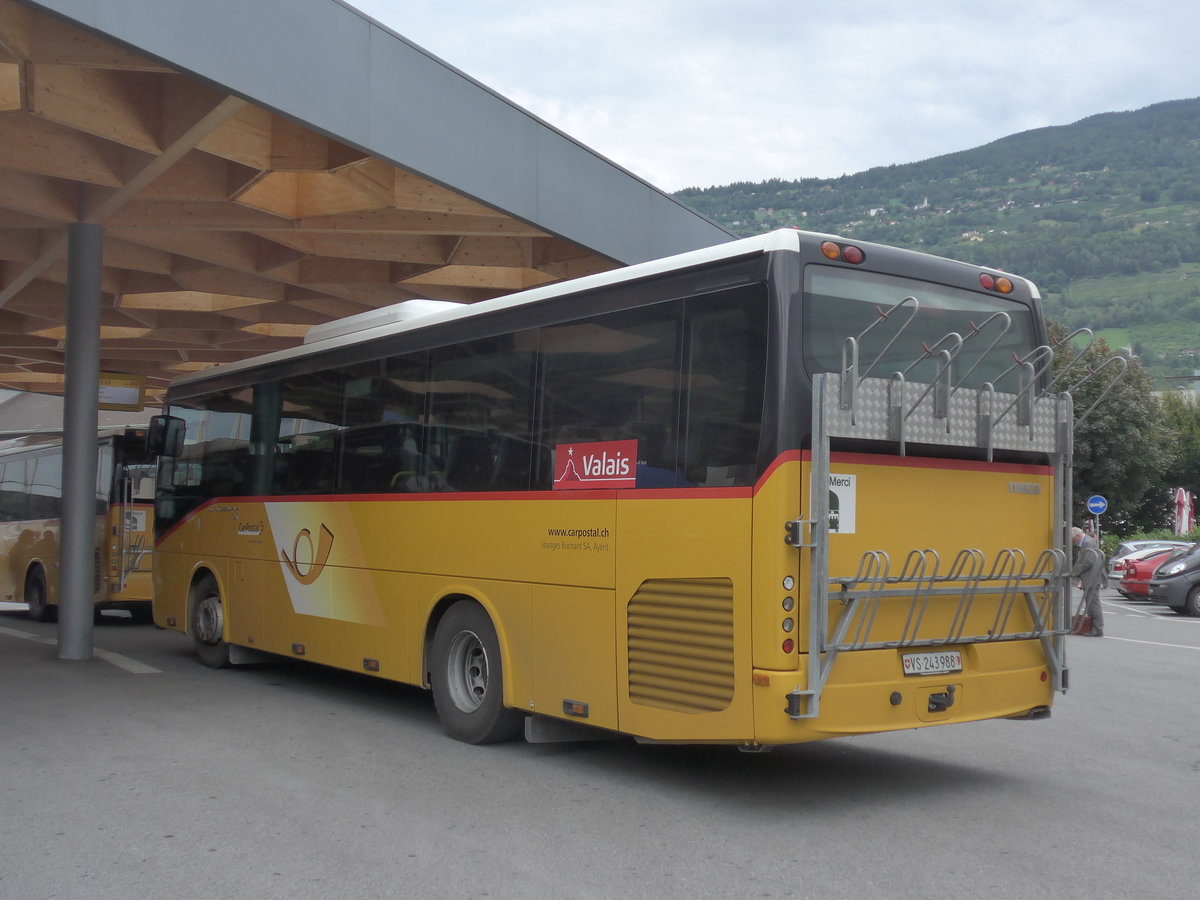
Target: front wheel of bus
[(468, 678), (35, 596), (208, 625)]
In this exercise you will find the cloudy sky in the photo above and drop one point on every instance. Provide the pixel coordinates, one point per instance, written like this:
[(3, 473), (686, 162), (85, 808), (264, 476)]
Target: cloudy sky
[(690, 93)]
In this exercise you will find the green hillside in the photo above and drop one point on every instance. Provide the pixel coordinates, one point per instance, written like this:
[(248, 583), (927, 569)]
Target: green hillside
[(1103, 214)]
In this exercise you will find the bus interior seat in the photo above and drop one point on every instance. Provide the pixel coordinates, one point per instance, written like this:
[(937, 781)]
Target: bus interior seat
[(410, 465), (223, 473), (469, 462), (513, 460), (309, 471), (722, 452), (652, 449), (365, 473)]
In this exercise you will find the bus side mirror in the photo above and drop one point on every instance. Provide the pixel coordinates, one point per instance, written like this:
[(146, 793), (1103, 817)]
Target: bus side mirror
[(165, 437)]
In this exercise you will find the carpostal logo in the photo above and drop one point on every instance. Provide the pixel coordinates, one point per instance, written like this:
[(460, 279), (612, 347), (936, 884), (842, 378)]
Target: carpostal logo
[(307, 561), (597, 465)]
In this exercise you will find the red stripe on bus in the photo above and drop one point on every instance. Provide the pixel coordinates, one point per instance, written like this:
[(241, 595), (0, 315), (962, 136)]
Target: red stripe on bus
[(690, 493), (933, 462)]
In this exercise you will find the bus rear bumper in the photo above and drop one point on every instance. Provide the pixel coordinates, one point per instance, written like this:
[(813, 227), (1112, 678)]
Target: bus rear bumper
[(868, 694)]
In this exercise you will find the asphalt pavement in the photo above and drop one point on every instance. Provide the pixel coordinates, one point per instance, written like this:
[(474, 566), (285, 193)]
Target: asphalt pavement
[(140, 773)]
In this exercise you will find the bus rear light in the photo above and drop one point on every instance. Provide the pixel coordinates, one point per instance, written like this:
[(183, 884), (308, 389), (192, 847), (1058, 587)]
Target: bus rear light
[(842, 252), (789, 645), (788, 625), (1000, 285)]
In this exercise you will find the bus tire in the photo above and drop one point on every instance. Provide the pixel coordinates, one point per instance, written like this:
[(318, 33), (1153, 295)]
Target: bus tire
[(35, 596), (467, 678), (208, 624)]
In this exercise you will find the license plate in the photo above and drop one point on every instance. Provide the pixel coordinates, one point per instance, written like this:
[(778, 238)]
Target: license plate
[(932, 663)]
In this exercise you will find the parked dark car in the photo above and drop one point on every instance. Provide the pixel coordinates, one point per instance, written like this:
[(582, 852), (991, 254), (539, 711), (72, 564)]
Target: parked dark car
[(1176, 581)]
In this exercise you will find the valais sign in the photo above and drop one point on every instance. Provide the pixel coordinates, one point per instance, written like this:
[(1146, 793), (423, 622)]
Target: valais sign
[(595, 466)]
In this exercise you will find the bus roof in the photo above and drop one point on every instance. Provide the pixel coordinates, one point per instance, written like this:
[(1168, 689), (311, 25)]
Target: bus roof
[(54, 438), (413, 314)]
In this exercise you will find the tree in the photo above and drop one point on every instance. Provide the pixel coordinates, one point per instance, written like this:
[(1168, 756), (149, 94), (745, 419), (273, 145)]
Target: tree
[(1123, 446), (1181, 414)]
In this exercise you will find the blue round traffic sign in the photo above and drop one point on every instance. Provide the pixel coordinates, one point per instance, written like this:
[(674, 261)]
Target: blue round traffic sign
[(1096, 504)]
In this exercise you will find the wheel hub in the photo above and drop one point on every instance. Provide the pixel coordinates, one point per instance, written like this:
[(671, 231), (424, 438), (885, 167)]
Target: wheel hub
[(210, 620), (467, 671)]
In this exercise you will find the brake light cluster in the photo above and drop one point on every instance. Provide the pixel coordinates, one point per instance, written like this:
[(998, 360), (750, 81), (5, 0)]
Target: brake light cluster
[(789, 605), (842, 252), (997, 283)]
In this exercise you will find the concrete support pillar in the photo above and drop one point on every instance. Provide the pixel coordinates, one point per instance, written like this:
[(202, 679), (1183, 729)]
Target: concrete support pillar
[(80, 418)]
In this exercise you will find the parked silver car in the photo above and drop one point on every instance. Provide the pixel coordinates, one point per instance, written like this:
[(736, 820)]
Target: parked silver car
[(1138, 549)]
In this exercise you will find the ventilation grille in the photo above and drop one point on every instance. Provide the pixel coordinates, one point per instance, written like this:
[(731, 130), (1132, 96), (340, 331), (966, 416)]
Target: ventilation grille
[(681, 644)]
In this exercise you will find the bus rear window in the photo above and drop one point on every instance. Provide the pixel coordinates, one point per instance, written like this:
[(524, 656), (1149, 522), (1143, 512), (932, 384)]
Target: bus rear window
[(840, 303)]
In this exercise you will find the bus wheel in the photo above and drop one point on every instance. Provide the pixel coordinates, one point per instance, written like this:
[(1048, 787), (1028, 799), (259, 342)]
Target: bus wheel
[(468, 679), (208, 625), (35, 596)]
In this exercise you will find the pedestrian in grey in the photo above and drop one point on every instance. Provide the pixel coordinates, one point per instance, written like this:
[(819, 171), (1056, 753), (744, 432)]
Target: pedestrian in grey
[(1089, 569)]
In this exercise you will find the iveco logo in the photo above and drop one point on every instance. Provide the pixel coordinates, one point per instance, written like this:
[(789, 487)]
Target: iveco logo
[(1024, 487)]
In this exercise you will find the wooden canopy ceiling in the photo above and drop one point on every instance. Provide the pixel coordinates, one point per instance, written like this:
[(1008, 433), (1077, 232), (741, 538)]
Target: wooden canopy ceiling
[(228, 230)]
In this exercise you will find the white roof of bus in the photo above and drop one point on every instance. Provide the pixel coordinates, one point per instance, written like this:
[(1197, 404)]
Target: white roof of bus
[(44, 439), (393, 319)]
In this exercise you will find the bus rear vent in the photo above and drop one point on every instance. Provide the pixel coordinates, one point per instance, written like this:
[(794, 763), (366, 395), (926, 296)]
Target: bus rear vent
[(681, 644)]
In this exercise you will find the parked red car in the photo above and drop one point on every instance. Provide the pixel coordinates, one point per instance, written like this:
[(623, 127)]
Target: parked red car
[(1136, 574)]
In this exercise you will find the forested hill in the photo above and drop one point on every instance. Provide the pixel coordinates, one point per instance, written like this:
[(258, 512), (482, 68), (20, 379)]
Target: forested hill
[(1103, 214)]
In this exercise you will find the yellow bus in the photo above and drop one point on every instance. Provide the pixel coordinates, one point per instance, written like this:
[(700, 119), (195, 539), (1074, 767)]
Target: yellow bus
[(787, 488), (30, 512)]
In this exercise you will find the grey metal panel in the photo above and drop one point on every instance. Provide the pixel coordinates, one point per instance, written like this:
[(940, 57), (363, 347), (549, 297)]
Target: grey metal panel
[(676, 229), (599, 204), (336, 70), (430, 119), (301, 57)]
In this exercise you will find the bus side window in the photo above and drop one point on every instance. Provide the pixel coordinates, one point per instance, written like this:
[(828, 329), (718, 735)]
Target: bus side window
[(480, 393), (726, 378), (12, 491)]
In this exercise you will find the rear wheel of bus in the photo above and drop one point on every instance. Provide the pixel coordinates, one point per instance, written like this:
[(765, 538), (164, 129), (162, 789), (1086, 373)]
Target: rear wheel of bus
[(35, 596), (208, 624), (468, 677)]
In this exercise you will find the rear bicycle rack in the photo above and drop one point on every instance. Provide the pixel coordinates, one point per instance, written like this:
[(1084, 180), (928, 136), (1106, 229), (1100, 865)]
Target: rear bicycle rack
[(973, 590)]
